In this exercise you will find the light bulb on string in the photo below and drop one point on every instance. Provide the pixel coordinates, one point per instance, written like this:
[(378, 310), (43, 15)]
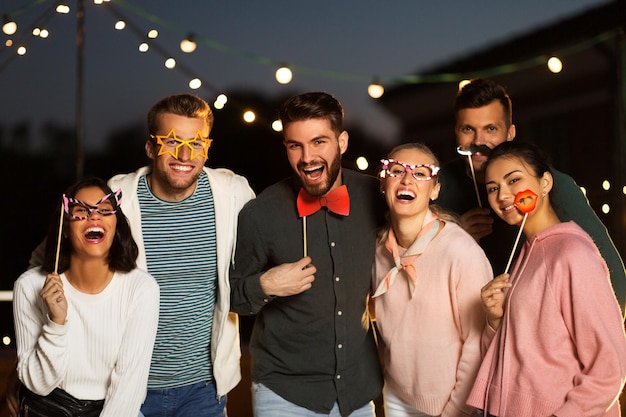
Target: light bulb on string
[(220, 101), (9, 27), (21, 50), (284, 74), (188, 45), (555, 65), (249, 116), (195, 83), (463, 83), (277, 125), (170, 63), (143, 47), (375, 89), (120, 25), (152, 34), (63, 8)]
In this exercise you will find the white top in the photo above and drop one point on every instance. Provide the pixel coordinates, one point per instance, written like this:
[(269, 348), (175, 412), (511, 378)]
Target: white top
[(102, 351)]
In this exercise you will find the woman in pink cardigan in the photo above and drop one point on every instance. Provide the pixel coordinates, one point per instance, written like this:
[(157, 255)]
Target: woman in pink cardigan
[(555, 343), (426, 280)]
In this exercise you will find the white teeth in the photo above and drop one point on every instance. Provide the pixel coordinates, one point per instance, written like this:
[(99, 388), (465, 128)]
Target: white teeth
[(94, 230), (311, 169), (182, 168), (406, 193)]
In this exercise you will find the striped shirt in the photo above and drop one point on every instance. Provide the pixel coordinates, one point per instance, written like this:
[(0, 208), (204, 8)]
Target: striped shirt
[(180, 245)]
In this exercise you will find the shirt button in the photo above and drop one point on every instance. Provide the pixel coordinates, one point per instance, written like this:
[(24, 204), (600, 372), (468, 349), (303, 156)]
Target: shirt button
[(339, 346), (338, 376), (265, 300), (332, 244), (339, 313), (337, 279)]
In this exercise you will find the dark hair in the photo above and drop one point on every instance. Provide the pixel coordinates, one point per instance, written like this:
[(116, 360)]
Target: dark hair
[(527, 152), (187, 105), (123, 252), (482, 92), (314, 105)]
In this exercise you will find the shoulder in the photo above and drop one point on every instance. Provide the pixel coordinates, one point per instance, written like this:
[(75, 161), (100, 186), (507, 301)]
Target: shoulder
[(566, 233), (30, 282), (278, 196), (226, 177), (139, 279), (460, 243), (127, 181)]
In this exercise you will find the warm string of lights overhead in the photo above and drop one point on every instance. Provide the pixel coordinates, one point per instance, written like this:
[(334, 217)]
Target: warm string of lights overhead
[(284, 72)]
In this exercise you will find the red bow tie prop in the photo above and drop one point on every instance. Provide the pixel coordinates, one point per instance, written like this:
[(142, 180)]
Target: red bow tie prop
[(337, 201)]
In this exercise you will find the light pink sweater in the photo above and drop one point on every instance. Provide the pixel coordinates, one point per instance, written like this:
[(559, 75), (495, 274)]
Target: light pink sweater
[(561, 348), (432, 341)]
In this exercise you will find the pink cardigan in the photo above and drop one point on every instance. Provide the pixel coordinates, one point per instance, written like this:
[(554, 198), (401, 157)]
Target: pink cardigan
[(432, 341), (561, 348)]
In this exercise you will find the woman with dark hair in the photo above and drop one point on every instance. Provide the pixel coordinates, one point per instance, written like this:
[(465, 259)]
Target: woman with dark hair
[(554, 341), (85, 322)]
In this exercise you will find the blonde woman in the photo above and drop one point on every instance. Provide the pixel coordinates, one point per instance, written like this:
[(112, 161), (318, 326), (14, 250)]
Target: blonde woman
[(426, 281)]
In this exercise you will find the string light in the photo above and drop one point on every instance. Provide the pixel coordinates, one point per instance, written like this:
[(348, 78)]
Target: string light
[(463, 83), (277, 125), (120, 25), (9, 27), (220, 101), (153, 34), (170, 63), (606, 185), (284, 74), (375, 89), (555, 65), (195, 84), (249, 116), (21, 50), (63, 9), (188, 45), (362, 163), (143, 47), (606, 208)]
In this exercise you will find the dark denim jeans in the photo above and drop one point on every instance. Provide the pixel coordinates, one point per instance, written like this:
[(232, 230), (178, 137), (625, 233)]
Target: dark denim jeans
[(197, 400)]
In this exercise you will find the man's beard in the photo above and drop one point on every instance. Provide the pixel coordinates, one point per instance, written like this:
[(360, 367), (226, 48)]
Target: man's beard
[(321, 189)]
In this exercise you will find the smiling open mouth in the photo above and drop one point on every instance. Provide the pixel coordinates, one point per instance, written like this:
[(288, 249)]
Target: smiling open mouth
[(405, 195), (94, 233)]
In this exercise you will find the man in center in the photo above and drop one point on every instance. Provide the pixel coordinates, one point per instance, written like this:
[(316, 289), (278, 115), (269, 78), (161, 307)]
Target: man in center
[(302, 265)]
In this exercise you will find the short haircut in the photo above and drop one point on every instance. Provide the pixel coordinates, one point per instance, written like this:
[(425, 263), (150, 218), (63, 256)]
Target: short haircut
[(315, 105), (482, 92), (187, 105)]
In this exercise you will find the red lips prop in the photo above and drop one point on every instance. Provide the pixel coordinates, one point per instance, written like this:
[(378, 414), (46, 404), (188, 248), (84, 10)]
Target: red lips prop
[(525, 202)]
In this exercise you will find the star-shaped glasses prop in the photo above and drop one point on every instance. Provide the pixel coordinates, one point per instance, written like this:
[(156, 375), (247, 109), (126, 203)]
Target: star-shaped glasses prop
[(171, 144), (525, 202)]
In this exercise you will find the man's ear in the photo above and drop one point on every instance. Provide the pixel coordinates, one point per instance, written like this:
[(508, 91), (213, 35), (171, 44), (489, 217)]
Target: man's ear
[(343, 141), (510, 135), (150, 152)]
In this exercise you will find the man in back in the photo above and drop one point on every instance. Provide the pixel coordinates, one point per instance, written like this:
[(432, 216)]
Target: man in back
[(484, 120)]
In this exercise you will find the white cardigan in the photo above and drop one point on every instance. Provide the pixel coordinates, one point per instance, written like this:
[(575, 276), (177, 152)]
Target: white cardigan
[(230, 193)]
